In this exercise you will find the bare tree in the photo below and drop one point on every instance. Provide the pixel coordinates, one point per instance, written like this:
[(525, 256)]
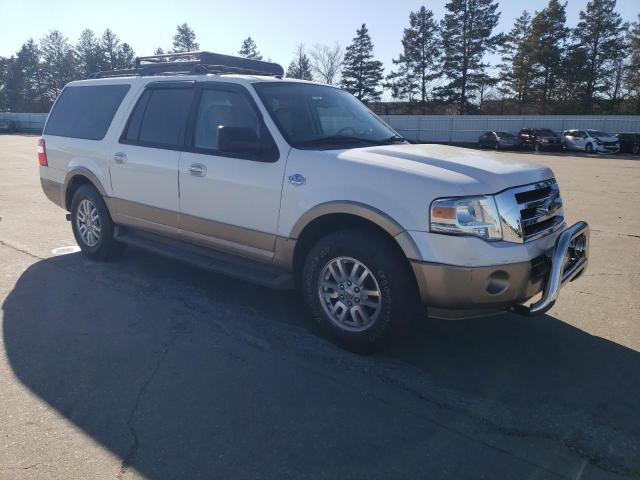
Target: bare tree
[(326, 62)]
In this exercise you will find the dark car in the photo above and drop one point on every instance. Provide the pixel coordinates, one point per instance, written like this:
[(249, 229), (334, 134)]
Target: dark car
[(539, 139), (8, 126), (629, 142), (498, 140)]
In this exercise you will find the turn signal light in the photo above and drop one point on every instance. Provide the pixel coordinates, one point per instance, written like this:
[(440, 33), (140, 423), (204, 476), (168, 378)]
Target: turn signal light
[(42, 153)]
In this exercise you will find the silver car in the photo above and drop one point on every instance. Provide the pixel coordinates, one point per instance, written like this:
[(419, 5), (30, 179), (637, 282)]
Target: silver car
[(590, 141)]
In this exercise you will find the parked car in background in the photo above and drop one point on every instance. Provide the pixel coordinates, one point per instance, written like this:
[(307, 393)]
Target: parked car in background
[(629, 142), (539, 139), (8, 126), (498, 140), (590, 141)]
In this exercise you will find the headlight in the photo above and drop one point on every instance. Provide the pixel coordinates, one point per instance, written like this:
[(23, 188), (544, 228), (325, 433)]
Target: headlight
[(598, 141), (476, 216)]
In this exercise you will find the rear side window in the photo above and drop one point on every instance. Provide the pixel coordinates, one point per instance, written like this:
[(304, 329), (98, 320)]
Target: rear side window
[(85, 112), (160, 117)]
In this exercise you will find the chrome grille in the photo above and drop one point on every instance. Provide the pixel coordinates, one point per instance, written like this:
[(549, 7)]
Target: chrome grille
[(530, 212)]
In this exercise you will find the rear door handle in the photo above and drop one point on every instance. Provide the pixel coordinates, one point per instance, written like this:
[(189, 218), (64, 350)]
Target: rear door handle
[(197, 170), (120, 157)]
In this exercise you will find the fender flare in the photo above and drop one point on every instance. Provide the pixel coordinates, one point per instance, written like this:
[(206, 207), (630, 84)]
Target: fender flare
[(367, 212), (91, 177)]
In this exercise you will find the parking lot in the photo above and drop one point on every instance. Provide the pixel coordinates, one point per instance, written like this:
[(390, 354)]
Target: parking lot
[(147, 368)]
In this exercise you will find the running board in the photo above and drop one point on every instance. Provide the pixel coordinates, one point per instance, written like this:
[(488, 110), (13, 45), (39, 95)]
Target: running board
[(225, 264)]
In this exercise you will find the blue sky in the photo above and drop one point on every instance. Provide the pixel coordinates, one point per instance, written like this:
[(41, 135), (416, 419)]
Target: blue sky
[(220, 26)]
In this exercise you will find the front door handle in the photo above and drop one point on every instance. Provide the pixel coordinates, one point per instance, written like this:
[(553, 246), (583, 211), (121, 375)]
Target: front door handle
[(197, 170), (120, 157)]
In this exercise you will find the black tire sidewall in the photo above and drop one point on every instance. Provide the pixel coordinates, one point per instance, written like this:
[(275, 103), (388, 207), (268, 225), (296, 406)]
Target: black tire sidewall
[(105, 245), (382, 260)]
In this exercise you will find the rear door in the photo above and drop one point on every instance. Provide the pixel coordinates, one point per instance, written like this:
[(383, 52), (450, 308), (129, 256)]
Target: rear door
[(230, 200), (144, 167)]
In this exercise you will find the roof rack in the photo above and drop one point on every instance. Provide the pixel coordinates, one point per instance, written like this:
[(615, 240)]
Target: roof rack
[(194, 63)]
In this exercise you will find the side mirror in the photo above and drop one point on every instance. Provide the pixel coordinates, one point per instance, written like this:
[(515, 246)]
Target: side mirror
[(239, 140)]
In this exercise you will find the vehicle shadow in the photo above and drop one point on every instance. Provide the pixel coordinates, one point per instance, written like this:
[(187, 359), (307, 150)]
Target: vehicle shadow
[(149, 357)]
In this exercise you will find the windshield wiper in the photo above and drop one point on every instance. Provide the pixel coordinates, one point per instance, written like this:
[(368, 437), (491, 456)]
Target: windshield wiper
[(336, 139)]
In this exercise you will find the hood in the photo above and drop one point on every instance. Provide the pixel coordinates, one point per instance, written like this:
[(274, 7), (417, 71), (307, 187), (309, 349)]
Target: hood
[(470, 172), (607, 138)]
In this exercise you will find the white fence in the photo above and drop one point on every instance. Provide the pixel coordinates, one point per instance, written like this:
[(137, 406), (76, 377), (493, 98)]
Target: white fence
[(467, 128), (26, 122), (444, 128)]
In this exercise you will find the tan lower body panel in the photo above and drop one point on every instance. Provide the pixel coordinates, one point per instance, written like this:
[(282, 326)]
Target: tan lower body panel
[(260, 246)]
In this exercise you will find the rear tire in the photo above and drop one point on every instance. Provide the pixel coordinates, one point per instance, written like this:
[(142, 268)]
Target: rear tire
[(635, 149), (358, 289), (537, 147), (92, 225)]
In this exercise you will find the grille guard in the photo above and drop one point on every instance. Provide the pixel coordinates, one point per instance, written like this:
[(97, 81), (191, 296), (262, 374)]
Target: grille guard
[(560, 273)]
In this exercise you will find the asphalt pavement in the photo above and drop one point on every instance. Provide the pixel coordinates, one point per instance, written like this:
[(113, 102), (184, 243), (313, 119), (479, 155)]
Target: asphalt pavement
[(146, 368)]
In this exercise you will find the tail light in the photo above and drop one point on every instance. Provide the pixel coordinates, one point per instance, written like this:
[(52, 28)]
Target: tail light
[(42, 153)]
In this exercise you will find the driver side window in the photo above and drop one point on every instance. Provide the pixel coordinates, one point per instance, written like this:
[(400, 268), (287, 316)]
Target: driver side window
[(222, 108)]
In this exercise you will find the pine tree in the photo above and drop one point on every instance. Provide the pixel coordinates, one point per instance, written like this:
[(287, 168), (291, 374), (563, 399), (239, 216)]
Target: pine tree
[(60, 62), (600, 33), (632, 73), (26, 82), (467, 36), (549, 36), (185, 40), (300, 67), (418, 62), (90, 54), (109, 44), (5, 67), (362, 75), (126, 56), (249, 49), (517, 60)]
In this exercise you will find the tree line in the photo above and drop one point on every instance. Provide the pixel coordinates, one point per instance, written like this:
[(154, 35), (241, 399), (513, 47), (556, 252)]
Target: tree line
[(443, 65)]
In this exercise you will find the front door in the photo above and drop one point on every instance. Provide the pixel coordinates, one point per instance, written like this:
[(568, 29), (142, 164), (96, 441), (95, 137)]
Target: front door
[(144, 168), (230, 200)]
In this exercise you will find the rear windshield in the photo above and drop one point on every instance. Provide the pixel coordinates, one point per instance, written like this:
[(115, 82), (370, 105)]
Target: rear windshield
[(85, 112)]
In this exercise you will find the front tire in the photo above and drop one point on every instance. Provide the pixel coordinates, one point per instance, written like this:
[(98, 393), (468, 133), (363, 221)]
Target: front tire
[(358, 289), (588, 148), (92, 225), (537, 147)]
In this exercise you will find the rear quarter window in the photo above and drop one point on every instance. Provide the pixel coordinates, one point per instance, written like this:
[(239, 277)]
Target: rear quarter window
[(85, 111)]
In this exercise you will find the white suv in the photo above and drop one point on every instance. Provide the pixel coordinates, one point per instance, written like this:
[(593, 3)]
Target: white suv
[(590, 141), (222, 163)]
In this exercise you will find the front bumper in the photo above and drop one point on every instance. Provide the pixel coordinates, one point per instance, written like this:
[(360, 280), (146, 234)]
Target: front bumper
[(463, 292), (606, 149)]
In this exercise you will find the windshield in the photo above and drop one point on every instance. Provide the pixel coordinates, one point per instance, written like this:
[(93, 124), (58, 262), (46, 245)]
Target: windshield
[(505, 135), (598, 133), (316, 116)]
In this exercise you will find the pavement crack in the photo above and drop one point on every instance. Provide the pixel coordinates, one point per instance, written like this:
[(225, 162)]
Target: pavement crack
[(21, 250), (167, 345)]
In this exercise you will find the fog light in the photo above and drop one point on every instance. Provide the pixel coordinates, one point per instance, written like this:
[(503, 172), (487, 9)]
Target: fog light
[(497, 282), (579, 245)]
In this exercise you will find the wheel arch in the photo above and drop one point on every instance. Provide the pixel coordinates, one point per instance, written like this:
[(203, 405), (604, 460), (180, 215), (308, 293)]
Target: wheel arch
[(75, 179), (330, 217)]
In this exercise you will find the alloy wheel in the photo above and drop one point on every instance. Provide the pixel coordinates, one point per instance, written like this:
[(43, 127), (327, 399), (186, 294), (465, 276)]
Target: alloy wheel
[(350, 294), (88, 223)]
